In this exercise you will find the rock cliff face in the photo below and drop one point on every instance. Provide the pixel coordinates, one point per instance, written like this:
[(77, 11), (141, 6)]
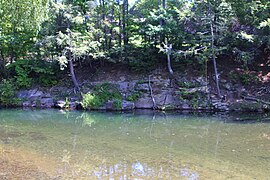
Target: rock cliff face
[(154, 93)]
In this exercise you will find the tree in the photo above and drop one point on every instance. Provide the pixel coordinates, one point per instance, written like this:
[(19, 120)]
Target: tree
[(19, 24), (73, 37), (251, 39)]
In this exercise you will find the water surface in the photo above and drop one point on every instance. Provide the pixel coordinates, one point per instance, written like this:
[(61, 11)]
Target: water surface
[(52, 144)]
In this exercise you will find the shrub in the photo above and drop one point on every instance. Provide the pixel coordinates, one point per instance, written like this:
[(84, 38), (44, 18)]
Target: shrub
[(107, 91), (22, 77), (8, 93), (186, 95), (100, 95), (117, 103), (91, 101), (246, 78), (27, 72), (134, 97)]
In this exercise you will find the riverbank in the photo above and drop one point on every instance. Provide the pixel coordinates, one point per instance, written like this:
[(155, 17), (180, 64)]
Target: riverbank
[(116, 88)]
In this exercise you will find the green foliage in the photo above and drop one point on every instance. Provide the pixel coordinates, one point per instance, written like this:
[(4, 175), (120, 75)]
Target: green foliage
[(8, 93), (194, 103), (91, 101), (117, 104), (141, 66), (141, 61), (246, 78), (73, 41), (188, 84), (134, 96), (100, 95), (22, 77), (233, 76), (187, 95), (80, 31), (20, 22), (107, 91), (67, 103), (27, 72)]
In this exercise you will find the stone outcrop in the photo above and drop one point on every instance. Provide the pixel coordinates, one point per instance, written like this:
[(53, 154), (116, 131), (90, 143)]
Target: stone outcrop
[(128, 105), (189, 95), (43, 99), (36, 98)]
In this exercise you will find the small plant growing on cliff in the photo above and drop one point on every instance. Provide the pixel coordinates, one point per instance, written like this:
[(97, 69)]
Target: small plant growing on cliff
[(233, 76), (134, 96), (100, 95), (107, 91), (245, 78), (117, 104), (91, 101), (67, 103), (194, 103), (187, 84), (185, 94)]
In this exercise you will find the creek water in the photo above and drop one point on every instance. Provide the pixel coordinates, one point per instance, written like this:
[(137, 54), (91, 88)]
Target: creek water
[(53, 144)]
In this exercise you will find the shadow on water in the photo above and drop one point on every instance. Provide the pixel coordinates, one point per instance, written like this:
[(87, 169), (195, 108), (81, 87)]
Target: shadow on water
[(226, 117)]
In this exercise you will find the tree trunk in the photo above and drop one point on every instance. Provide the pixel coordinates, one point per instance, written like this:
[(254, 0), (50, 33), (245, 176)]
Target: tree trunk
[(126, 22), (162, 5), (214, 57), (125, 32), (169, 49), (111, 29), (72, 73), (2, 65), (151, 93), (11, 54), (70, 64), (120, 30), (105, 46)]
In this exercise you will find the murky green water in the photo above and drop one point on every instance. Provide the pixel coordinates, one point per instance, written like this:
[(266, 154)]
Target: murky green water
[(52, 144)]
